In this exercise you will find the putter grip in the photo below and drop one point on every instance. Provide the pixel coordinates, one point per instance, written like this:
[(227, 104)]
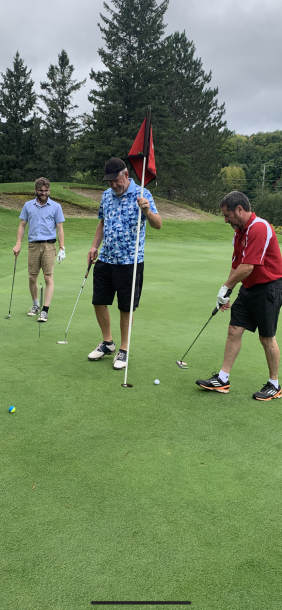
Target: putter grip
[(228, 293), (88, 268)]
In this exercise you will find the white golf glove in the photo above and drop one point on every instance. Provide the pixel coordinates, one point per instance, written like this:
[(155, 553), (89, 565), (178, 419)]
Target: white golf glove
[(61, 256), (221, 299)]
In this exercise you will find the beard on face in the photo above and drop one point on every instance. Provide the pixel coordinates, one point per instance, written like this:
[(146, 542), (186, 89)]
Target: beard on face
[(42, 198)]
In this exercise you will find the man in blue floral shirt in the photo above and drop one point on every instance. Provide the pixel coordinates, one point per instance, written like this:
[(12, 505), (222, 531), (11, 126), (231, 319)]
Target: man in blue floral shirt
[(113, 271)]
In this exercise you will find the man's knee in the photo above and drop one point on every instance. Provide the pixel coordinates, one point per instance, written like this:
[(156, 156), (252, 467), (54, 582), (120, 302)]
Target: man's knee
[(48, 279), (268, 341), (32, 278), (235, 332)]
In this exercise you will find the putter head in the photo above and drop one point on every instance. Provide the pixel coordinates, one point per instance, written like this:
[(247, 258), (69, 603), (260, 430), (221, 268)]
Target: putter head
[(126, 385), (7, 317), (62, 342), (181, 364)]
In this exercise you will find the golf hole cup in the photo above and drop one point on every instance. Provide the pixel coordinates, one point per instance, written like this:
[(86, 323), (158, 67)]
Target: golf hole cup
[(12, 409)]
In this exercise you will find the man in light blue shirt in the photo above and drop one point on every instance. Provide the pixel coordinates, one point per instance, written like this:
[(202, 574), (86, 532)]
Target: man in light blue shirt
[(43, 216), (113, 271)]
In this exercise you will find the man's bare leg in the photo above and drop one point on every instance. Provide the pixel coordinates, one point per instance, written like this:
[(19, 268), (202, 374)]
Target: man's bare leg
[(33, 286), (104, 321), (272, 354), (124, 323), (49, 283), (232, 347)]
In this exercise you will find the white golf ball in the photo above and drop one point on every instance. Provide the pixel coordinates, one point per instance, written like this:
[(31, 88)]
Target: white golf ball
[(157, 381)]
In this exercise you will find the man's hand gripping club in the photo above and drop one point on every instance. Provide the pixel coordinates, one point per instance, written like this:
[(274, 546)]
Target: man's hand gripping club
[(223, 298)]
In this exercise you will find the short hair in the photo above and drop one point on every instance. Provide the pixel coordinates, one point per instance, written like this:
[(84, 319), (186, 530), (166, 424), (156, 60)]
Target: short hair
[(235, 198), (41, 182)]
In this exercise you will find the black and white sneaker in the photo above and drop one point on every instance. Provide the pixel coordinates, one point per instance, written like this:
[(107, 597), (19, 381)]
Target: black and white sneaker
[(102, 349), (214, 383), (268, 392), (43, 317), (34, 310), (120, 360)]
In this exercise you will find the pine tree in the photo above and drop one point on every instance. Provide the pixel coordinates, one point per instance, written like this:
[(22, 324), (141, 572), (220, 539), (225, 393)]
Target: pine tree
[(18, 122), (60, 128), (133, 79), (143, 67), (195, 150)]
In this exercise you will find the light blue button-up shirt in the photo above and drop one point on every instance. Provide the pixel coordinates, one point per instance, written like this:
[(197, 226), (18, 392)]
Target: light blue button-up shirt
[(120, 215), (42, 219)]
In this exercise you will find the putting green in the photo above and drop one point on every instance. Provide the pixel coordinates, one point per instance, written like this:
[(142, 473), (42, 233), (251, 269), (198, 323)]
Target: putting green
[(152, 493)]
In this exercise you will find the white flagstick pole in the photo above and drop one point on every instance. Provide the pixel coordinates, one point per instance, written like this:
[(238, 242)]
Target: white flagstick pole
[(134, 274)]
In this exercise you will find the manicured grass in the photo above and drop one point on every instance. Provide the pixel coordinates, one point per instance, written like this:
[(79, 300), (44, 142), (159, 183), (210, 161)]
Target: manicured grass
[(60, 191), (171, 230), (152, 493)]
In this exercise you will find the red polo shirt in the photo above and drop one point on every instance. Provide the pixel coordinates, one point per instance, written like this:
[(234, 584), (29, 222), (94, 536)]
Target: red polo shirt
[(257, 245)]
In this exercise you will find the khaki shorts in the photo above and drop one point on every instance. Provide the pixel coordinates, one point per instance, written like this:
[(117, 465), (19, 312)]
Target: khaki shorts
[(41, 256)]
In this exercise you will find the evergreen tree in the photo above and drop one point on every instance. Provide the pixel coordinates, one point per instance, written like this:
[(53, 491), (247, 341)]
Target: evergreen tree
[(143, 67), (18, 122), (134, 77), (199, 131), (60, 128)]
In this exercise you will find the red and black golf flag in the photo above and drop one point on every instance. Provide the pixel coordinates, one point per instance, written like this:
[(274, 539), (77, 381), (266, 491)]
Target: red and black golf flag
[(143, 147)]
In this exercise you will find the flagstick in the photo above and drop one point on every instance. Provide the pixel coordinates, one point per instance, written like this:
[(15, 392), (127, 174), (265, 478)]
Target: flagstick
[(134, 274)]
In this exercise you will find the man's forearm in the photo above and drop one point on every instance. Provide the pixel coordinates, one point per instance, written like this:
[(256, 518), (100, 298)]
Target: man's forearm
[(238, 275), (154, 220), (98, 235), (20, 234), (61, 237)]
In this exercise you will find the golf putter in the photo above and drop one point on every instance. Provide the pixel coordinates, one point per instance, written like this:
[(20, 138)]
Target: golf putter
[(85, 278), (180, 363), (15, 264)]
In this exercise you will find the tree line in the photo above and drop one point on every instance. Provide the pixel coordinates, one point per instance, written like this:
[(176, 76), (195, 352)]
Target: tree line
[(253, 164), (37, 139), (197, 157)]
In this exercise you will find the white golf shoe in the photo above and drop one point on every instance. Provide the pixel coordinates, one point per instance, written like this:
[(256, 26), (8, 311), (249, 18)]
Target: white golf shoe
[(102, 349), (34, 310), (43, 317), (120, 361)]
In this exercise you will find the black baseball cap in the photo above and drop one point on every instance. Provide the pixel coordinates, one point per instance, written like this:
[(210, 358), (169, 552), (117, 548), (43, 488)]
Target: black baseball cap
[(113, 167)]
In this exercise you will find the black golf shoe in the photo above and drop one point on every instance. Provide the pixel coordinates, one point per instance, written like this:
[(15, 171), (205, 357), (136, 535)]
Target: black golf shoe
[(214, 383), (268, 392)]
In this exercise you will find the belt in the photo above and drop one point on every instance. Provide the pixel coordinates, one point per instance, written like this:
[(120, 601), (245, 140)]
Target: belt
[(44, 241)]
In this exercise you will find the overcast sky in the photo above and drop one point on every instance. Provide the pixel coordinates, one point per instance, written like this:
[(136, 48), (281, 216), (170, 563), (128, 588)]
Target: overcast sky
[(240, 41)]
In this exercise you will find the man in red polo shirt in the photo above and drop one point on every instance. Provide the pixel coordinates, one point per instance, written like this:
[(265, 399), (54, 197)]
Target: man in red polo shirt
[(257, 263)]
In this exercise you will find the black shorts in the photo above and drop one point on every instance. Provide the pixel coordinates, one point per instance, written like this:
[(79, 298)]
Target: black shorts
[(258, 307), (109, 279)]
